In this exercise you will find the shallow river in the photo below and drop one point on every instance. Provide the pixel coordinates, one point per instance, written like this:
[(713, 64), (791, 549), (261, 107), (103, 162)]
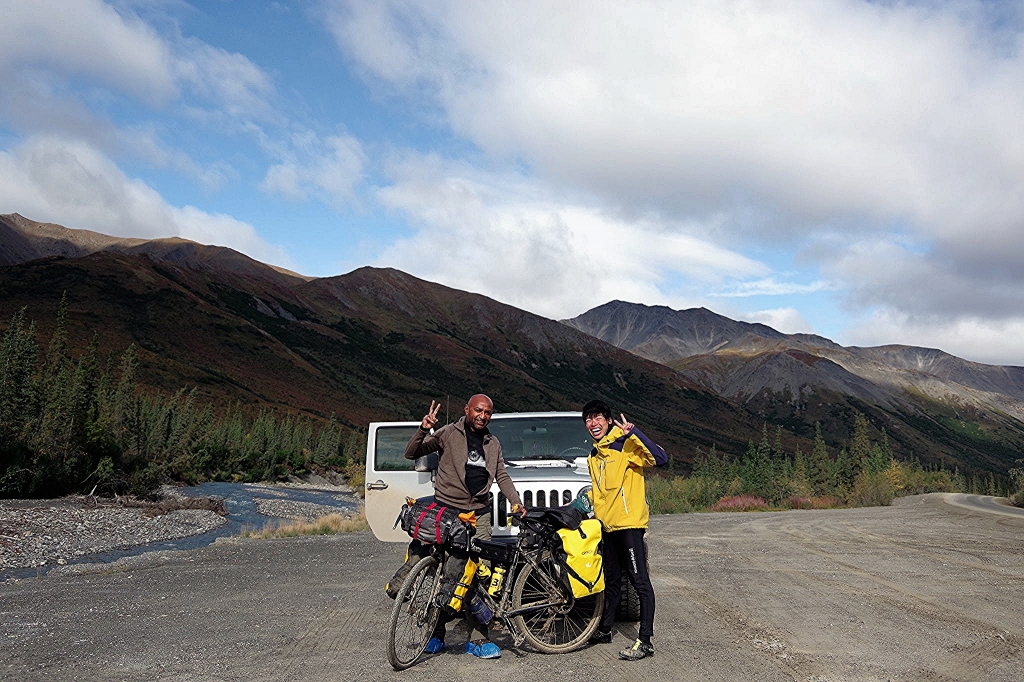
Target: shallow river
[(240, 500)]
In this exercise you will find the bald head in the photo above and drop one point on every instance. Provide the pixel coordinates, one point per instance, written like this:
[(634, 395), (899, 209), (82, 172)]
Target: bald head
[(478, 412)]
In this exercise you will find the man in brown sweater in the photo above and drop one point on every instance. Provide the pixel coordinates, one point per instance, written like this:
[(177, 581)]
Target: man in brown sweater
[(469, 462)]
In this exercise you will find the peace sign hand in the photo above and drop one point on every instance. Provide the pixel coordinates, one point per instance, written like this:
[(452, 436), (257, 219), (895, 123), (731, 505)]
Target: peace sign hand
[(430, 420), (625, 424)]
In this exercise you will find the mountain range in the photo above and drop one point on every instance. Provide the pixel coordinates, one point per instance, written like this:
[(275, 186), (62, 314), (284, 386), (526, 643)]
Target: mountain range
[(378, 345)]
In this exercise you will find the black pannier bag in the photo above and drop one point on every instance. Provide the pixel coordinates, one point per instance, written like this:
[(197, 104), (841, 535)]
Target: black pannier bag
[(433, 523), (496, 551)]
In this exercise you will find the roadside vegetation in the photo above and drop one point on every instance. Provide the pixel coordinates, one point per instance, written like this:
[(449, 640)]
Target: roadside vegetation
[(81, 425), (864, 473), (325, 525), (1017, 475)]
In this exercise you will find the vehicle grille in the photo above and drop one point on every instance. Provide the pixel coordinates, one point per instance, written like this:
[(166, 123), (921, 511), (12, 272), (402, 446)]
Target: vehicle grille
[(535, 497)]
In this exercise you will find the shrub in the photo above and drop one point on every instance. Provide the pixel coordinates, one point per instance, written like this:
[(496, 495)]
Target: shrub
[(1017, 476), (355, 475), (679, 495), (804, 502), (325, 525), (872, 490), (740, 503)]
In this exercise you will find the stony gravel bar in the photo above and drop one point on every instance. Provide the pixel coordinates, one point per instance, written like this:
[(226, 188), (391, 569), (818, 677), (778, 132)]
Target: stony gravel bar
[(59, 531), (289, 509)]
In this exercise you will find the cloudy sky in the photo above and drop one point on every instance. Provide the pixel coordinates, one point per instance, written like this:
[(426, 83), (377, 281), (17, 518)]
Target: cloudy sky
[(847, 168)]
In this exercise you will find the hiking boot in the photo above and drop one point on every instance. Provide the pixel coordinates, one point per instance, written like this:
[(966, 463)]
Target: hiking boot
[(395, 584), (637, 651), (483, 649), (600, 637), (435, 645)]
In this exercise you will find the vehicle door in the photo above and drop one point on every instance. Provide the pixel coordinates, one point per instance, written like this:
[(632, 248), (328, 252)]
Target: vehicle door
[(390, 477)]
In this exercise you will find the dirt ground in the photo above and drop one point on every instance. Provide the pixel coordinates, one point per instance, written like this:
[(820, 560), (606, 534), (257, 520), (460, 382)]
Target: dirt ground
[(923, 590)]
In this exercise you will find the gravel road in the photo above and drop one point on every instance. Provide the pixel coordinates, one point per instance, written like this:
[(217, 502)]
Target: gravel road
[(923, 590)]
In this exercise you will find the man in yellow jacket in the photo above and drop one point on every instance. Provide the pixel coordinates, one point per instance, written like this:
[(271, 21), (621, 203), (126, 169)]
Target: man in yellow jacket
[(616, 463)]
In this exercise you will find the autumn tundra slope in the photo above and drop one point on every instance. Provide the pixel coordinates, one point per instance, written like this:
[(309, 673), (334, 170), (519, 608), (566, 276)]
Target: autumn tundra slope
[(374, 344), (933, 405)]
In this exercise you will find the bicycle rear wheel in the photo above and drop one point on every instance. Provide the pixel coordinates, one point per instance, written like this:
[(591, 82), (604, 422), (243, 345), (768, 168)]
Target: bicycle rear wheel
[(414, 616), (567, 623)]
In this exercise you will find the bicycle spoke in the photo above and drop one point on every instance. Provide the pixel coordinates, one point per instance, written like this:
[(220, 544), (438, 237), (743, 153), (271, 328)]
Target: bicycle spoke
[(564, 624)]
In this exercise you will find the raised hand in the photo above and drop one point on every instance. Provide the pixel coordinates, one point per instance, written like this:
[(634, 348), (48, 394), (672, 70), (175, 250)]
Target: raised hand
[(430, 419), (625, 424)]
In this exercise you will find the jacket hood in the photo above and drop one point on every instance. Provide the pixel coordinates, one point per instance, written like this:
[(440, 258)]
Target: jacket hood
[(614, 434)]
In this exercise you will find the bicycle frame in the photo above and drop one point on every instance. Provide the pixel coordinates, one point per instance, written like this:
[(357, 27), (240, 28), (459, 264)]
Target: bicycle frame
[(533, 575), (524, 556)]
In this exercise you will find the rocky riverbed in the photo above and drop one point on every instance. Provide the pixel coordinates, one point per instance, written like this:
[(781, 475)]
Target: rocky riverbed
[(59, 531), (44, 533)]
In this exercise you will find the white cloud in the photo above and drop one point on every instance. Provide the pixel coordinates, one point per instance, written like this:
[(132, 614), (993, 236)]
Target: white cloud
[(820, 109), (891, 127), (772, 287), (70, 183), (329, 169), (990, 341), (923, 283), (505, 237), (785, 320), (228, 79), (54, 54), (89, 38)]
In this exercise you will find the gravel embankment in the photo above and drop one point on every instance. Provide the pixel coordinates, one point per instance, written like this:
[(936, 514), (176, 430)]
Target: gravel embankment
[(289, 509), (58, 531)]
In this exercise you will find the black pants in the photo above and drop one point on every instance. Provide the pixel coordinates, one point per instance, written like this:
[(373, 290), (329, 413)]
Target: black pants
[(473, 626), (626, 551)]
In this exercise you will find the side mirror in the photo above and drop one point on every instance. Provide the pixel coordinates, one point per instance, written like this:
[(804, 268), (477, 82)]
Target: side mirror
[(426, 462)]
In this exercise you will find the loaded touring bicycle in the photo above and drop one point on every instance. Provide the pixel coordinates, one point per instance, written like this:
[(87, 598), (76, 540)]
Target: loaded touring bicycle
[(545, 454)]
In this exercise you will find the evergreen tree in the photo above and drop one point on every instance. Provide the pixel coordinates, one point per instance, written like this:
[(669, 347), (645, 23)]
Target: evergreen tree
[(801, 483), (820, 465), (328, 444), (860, 443), (126, 415), (18, 355)]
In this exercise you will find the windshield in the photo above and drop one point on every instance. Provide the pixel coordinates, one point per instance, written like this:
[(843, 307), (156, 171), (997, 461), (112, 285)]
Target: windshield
[(532, 438), (522, 439)]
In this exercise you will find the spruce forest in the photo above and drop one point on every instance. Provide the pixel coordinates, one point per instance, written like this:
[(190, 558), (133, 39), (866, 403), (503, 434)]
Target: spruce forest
[(82, 424)]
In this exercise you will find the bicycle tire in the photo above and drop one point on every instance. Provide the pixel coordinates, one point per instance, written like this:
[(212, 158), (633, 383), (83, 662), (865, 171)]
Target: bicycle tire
[(414, 616), (556, 629)]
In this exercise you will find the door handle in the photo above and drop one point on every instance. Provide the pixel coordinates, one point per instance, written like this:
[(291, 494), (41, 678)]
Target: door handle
[(377, 485)]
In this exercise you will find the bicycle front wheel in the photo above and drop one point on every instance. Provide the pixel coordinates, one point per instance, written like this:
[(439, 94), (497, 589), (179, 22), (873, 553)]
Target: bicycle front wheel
[(414, 616), (566, 623)]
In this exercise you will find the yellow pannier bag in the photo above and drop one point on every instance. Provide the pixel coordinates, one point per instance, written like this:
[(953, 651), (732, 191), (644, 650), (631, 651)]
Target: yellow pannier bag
[(583, 561), (455, 591)]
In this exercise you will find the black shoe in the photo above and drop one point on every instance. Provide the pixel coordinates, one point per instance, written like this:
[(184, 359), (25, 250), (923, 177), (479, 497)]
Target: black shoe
[(600, 637), (637, 651), (395, 584)]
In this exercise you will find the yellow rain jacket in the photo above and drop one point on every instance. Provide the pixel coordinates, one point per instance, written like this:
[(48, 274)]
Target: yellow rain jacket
[(616, 467)]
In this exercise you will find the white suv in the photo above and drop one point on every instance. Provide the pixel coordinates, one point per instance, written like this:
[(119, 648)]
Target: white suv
[(545, 453)]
